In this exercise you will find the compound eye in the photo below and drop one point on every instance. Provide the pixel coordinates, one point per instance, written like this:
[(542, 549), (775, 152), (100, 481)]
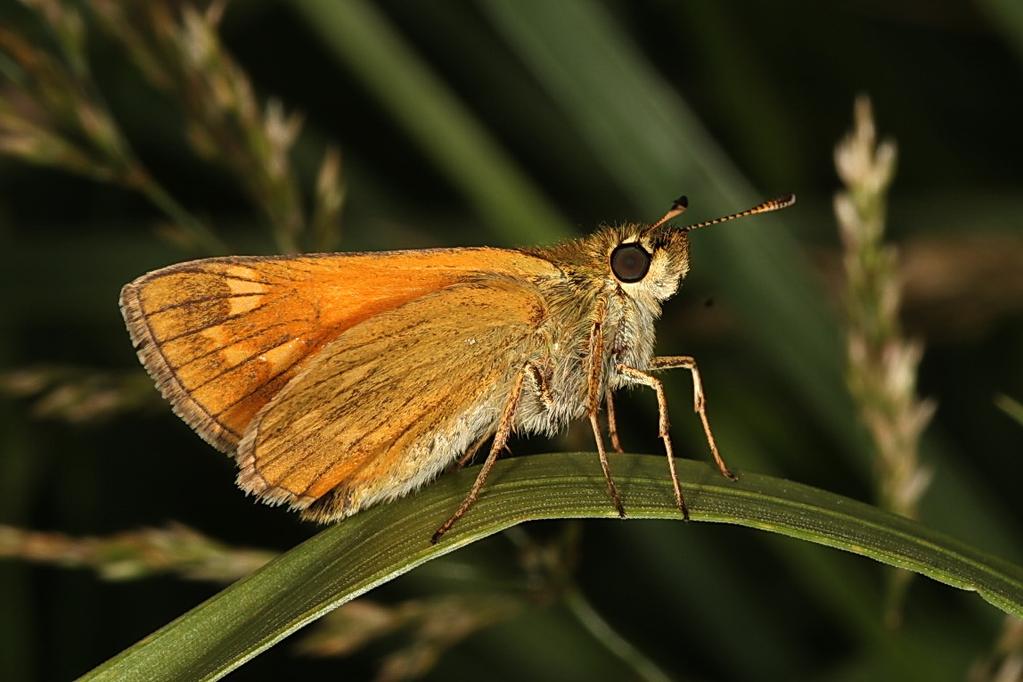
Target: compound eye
[(630, 262)]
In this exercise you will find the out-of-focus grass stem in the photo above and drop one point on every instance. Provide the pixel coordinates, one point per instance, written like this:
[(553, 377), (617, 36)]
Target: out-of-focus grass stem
[(602, 631), (56, 116), (1010, 406), (136, 554), (881, 364), (204, 237)]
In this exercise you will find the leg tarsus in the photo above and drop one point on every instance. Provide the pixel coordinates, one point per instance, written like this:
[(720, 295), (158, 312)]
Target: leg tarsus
[(612, 489)]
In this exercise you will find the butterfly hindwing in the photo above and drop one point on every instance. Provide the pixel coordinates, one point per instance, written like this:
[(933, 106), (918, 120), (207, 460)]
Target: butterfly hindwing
[(390, 402)]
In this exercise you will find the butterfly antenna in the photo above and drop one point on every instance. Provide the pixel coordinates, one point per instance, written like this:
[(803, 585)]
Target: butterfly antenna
[(678, 207), (766, 207)]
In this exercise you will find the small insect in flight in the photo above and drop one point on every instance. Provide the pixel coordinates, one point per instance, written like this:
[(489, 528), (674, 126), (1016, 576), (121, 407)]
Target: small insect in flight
[(338, 381)]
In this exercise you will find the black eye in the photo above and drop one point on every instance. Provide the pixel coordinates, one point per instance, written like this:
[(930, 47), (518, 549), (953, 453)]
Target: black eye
[(630, 262)]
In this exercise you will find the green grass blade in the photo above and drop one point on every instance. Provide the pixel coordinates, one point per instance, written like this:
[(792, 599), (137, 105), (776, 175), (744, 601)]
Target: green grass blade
[(376, 546), (1006, 16), (463, 149), (1010, 406), (655, 147)]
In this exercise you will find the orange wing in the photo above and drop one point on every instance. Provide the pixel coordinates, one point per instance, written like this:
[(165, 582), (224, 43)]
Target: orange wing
[(222, 336), (393, 400)]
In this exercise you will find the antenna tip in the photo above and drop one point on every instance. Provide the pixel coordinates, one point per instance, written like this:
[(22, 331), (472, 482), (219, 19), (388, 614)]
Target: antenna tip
[(681, 202), (786, 200)]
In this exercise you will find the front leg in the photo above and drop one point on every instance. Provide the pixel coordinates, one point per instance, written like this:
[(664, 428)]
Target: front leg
[(594, 369), (699, 402)]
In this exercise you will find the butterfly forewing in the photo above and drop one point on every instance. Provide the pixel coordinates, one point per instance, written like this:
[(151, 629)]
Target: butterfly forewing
[(222, 336), (393, 400)]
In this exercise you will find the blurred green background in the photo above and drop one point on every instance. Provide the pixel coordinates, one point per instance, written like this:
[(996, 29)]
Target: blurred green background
[(518, 123)]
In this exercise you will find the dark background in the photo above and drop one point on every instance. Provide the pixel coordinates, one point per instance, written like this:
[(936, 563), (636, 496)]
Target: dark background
[(771, 86)]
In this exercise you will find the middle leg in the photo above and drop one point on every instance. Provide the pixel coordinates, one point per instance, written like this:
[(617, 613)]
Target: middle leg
[(653, 382)]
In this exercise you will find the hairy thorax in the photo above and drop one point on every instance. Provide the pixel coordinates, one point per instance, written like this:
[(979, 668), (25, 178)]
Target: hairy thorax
[(562, 356)]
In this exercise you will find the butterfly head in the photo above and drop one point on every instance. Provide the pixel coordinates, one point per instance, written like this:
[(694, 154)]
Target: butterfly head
[(648, 262)]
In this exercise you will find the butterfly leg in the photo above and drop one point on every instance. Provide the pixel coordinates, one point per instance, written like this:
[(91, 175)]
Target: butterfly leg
[(699, 402), (471, 452), (612, 422), (593, 376), (653, 382), (504, 427), (543, 391), (541, 387)]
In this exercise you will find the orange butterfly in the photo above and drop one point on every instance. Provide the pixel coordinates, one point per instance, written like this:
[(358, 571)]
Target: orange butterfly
[(342, 380)]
